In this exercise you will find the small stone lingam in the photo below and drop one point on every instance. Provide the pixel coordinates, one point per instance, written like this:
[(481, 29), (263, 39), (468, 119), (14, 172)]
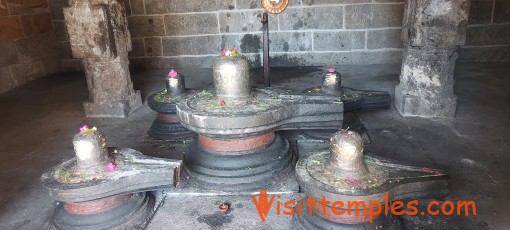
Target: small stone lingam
[(106, 188), (353, 99), (167, 125), (237, 147), (344, 174)]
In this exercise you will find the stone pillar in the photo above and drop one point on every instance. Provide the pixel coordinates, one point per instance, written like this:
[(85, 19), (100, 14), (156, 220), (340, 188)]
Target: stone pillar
[(432, 32), (98, 34)]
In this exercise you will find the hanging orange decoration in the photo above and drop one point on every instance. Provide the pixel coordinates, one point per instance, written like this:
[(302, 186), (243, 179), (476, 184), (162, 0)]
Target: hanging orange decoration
[(275, 6)]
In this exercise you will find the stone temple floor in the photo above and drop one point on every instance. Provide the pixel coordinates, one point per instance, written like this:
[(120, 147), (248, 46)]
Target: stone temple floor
[(39, 120)]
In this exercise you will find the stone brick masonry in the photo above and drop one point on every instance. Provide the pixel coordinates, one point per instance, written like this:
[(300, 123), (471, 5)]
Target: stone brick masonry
[(27, 42), (168, 33)]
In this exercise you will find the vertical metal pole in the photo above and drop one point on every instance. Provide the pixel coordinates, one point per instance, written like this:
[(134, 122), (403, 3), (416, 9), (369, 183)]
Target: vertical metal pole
[(265, 44)]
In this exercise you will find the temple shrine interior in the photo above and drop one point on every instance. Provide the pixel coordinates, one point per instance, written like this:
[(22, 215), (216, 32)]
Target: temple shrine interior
[(255, 114)]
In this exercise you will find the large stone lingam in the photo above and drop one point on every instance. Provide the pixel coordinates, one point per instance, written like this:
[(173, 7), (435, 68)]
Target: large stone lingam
[(237, 147), (106, 188), (344, 175)]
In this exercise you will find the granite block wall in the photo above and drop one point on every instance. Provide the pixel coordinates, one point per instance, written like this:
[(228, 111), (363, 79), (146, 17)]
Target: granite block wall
[(488, 34), (169, 33), (318, 32), (27, 42)]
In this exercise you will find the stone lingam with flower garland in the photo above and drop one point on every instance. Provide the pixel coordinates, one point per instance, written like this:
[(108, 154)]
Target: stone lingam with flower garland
[(345, 174), (237, 147), (106, 188), (167, 125)]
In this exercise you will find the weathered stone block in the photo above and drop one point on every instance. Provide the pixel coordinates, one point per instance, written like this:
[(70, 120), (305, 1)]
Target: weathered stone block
[(36, 47), (255, 4), (247, 21), (27, 71), (198, 45), (120, 109), (18, 75), (502, 11), (386, 38), (51, 64), (56, 8), (188, 62), (9, 53), (488, 35), (72, 65), (484, 54), (290, 41), (323, 2), (191, 24), (426, 83), (6, 82), (64, 50), (36, 24), (337, 41), (181, 62), (251, 43), (99, 34), (110, 88), (387, 1), (145, 26), (127, 6), (10, 28), (3, 8), (138, 48), (27, 6), (171, 6), (438, 24), (97, 31), (153, 47), (336, 58), (137, 7), (373, 16), (312, 18), (60, 30), (480, 11)]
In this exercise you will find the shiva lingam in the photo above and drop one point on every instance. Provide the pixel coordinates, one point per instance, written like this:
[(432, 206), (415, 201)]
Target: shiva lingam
[(354, 99), (237, 146), (106, 188), (344, 174), (167, 125)]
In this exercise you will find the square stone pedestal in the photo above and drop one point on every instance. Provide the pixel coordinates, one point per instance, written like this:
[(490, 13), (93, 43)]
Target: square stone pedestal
[(415, 106), (120, 109)]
